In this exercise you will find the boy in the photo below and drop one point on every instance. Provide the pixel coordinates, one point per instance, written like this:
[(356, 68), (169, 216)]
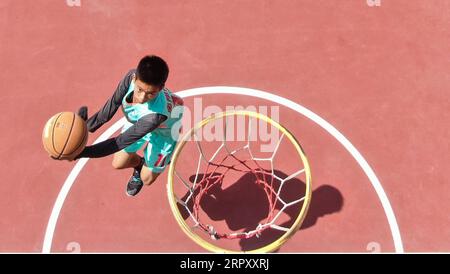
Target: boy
[(149, 108)]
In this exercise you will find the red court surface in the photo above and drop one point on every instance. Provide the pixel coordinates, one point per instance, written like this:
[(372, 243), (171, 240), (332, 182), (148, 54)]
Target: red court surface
[(378, 74)]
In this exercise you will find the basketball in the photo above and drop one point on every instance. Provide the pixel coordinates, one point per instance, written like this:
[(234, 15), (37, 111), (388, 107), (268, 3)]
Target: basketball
[(65, 136)]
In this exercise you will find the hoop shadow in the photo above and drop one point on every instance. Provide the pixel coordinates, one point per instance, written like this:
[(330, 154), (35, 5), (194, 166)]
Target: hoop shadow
[(242, 211)]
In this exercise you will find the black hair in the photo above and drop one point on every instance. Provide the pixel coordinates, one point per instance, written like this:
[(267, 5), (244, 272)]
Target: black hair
[(152, 70)]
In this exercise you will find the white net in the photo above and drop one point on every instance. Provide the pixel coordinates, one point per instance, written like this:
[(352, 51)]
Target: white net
[(212, 169)]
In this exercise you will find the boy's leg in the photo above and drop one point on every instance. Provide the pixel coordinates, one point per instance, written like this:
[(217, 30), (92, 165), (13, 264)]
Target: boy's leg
[(128, 158), (123, 159), (157, 154), (147, 176)]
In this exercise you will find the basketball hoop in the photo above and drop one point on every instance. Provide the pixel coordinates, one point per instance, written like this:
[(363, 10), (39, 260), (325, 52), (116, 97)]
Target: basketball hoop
[(265, 178)]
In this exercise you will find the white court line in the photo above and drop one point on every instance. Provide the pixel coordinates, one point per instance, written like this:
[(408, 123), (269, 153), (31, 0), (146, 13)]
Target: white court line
[(48, 238)]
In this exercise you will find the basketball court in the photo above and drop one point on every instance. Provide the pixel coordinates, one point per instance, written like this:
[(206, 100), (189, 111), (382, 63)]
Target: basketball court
[(362, 85)]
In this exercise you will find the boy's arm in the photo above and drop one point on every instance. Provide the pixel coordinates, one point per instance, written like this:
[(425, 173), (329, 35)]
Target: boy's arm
[(143, 126), (112, 105)]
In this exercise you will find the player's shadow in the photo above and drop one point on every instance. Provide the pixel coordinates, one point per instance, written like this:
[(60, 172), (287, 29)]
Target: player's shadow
[(244, 204)]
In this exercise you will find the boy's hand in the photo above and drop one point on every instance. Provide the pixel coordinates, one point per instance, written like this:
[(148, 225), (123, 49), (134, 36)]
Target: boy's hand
[(83, 113), (65, 159)]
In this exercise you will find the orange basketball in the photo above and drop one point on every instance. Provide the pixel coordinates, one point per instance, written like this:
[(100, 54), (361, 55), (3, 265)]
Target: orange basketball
[(65, 135)]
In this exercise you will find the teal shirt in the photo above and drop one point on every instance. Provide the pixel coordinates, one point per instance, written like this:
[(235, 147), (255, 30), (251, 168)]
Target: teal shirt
[(166, 103)]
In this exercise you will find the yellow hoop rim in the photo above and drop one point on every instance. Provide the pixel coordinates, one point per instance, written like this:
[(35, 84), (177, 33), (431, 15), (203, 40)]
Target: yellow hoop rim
[(173, 202)]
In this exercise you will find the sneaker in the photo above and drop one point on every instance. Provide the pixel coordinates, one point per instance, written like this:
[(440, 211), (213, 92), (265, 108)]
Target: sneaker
[(134, 184)]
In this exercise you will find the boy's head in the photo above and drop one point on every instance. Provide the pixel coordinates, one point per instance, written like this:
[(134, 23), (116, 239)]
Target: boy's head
[(151, 76)]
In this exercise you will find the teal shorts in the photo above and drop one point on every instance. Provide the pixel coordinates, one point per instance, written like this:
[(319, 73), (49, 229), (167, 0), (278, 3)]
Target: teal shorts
[(157, 153)]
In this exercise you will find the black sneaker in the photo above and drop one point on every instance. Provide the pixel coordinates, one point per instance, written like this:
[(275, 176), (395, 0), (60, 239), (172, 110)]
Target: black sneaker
[(134, 184)]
